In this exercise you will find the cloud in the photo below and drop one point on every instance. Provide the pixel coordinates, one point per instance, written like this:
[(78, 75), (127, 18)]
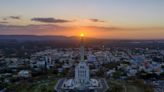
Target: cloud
[(50, 20), (15, 17), (47, 29), (4, 18), (11, 17), (31, 27), (3, 22), (51, 29), (103, 28), (96, 20)]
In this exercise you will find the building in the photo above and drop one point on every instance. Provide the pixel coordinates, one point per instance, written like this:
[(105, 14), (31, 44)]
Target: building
[(81, 81), (24, 74)]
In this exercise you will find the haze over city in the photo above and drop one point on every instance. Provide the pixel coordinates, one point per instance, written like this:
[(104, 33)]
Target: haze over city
[(81, 45), (111, 19)]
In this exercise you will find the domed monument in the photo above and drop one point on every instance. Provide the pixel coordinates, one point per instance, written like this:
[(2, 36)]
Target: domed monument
[(81, 81)]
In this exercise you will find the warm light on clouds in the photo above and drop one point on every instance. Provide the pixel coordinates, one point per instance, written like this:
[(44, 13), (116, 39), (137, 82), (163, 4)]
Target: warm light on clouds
[(89, 31), (113, 19)]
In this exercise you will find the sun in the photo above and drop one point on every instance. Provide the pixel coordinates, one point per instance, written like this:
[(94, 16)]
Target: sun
[(82, 35)]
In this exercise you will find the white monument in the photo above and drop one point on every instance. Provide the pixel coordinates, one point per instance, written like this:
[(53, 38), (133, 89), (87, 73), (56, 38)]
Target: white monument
[(82, 80)]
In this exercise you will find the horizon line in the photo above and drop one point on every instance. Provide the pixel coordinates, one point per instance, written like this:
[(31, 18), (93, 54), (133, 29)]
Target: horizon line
[(79, 37)]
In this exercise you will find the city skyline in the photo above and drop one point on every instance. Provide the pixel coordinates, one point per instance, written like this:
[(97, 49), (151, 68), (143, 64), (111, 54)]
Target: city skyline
[(121, 19)]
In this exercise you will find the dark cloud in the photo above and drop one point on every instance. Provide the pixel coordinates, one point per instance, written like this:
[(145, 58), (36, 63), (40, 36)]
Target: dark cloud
[(4, 18), (103, 28), (32, 29), (3, 22), (11, 17), (50, 20), (96, 20), (15, 17), (106, 28)]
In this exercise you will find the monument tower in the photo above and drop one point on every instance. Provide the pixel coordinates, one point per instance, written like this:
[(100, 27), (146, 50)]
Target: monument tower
[(82, 70), (82, 81)]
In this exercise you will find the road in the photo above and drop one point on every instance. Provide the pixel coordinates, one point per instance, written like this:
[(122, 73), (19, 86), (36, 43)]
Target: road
[(59, 85)]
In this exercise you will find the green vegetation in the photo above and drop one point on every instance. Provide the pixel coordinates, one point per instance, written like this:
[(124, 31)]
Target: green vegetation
[(40, 84), (111, 65), (45, 87), (122, 86), (3, 85), (114, 86)]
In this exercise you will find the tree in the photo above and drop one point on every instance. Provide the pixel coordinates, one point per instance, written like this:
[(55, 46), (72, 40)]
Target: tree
[(115, 88), (100, 73), (149, 89), (43, 89), (117, 74)]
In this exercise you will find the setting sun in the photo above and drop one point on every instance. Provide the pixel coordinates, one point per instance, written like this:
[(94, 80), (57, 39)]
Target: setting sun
[(82, 34)]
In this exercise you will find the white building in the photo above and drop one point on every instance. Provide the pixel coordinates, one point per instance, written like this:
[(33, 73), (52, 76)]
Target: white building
[(24, 74), (42, 62), (91, 58), (82, 75), (82, 80)]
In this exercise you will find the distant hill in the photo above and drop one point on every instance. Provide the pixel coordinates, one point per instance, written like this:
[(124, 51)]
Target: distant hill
[(63, 41), (31, 37)]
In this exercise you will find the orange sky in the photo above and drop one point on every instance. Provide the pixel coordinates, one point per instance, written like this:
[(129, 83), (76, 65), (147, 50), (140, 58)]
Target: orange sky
[(113, 19)]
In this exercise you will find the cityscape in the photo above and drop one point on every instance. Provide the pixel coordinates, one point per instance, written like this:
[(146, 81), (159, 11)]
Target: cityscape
[(116, 69), (82, 46)]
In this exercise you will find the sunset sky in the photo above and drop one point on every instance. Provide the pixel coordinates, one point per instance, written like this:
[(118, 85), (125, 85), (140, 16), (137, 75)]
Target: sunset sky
[(113, 19)]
